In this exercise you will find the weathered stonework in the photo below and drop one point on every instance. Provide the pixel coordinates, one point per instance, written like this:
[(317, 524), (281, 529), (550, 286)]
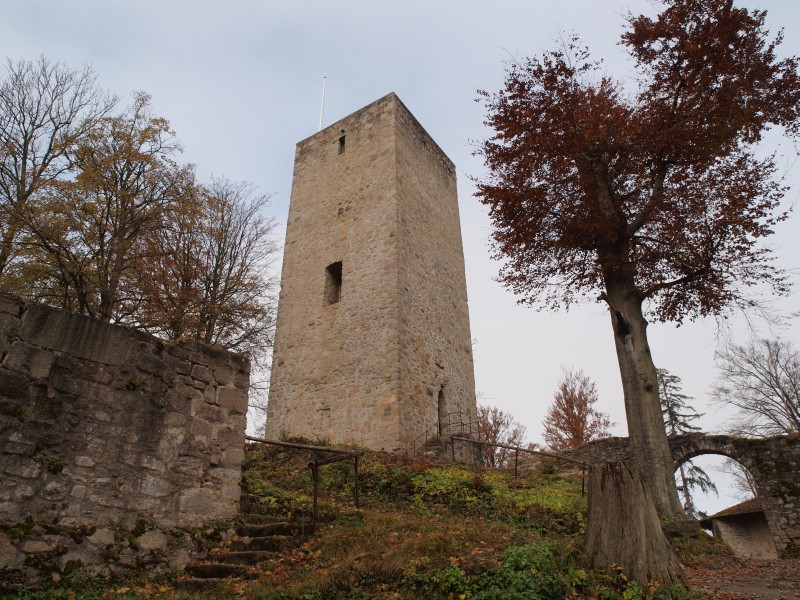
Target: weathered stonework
[(372, 345), (773, 462), (106, 426)]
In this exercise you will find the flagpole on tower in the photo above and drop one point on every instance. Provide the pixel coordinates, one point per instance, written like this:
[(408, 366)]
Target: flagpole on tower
[(322, 106)]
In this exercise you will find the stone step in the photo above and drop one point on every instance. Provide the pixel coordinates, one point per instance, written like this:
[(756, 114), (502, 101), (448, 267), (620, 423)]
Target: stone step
[(245, 557), (260, 519), (266, 529), (255, 508), (273, 543), (218, 571), (199, 584), (262, 544)]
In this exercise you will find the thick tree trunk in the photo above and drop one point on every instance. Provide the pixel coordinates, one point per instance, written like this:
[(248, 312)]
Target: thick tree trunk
[(623, 527), (649, 448)]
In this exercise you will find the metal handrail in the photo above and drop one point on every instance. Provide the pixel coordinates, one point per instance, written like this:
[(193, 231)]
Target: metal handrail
[(314, 465), (465, 425), (519, 449)]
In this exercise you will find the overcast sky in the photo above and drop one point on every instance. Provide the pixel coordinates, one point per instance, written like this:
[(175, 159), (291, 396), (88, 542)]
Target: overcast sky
[(240, 81)]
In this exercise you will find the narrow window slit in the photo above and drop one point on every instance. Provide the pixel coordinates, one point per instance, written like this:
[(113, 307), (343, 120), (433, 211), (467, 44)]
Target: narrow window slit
[(341, 145), (333, 283)]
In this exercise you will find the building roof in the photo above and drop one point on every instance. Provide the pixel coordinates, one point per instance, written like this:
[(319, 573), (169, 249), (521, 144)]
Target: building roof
[(753, 505)]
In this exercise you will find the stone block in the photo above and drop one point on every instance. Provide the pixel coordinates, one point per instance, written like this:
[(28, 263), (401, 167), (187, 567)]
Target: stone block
[(152, 540), (101, 537), (53, 491), (223, 375), (10, 511), (231, 492), (13, 385), (233, 399), (44, 544), (10, 305), (233, 457), (10, 557), (180, 397), (29, 360), (208, 412), (23, 491), (228, 437), (191, 467), (149, 485), (151, 364), (116, 408), (226, 475), (175, 419), (201, 373), (198, 505), (20, 466), (78, 335), (152, 463)]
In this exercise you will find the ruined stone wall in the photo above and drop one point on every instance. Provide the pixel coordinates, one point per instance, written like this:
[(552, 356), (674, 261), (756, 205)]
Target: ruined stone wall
[(773, 462), (103, 425), (374, 192)]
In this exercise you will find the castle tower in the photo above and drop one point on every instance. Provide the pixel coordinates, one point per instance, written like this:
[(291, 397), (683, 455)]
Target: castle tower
[(372, 345)]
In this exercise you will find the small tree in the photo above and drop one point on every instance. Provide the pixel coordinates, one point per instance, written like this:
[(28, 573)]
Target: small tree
[(762, 381), (678, 417), (498, 427), (572, 419)]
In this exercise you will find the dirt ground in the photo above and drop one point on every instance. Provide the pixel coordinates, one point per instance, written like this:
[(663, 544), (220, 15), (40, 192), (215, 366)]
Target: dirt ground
[(753, 580)]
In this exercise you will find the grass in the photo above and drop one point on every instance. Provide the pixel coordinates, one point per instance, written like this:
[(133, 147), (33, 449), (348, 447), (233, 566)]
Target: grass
[(424, 531)]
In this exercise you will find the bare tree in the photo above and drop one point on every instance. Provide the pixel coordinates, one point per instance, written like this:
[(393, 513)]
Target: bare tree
[(498, 427), (762, 381), (45, 109), (572, 420), (743, 483), (209, 277)]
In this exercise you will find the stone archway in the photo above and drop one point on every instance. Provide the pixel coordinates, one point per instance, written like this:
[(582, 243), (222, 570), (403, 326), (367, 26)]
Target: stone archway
[(773, 462)]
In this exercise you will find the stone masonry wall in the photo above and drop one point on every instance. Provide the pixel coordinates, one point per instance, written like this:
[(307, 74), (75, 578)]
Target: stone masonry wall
[(335, 372), (374, 192), (104, 425), (436, 349)]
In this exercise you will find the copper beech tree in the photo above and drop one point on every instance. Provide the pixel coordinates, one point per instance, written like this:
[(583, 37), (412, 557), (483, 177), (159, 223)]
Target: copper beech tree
[(652, 200), (572, 420)]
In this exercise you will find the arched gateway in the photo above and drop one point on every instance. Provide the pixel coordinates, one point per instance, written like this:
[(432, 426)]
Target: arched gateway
[(773, 462)]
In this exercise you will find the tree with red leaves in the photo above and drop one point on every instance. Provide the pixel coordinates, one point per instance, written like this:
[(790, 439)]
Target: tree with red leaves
[(498, 427), (572, 419), (652, 200)]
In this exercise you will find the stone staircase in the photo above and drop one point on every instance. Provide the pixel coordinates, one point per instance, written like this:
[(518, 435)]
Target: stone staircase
[(259, 540)]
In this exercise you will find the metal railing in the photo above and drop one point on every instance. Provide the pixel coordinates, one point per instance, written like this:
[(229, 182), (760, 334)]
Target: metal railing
[(314, 465), (454, 422), (518, 449)]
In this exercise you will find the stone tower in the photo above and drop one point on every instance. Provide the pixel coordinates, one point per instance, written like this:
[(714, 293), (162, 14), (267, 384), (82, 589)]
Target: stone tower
[(372, 345)]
